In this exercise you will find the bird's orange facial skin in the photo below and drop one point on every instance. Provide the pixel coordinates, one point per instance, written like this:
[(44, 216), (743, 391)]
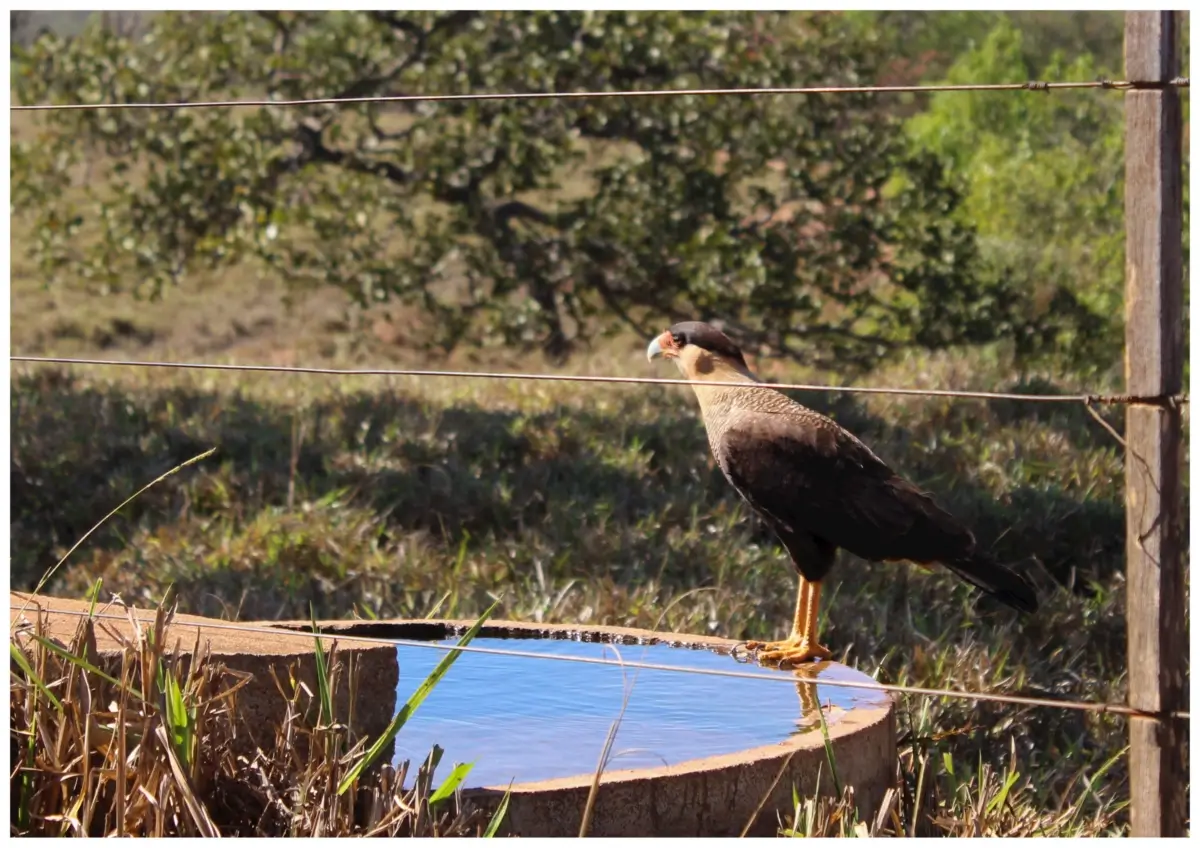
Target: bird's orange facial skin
[(666, 341)]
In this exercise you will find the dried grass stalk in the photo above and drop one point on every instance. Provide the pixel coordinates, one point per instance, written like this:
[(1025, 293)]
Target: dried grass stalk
[(143, 744)]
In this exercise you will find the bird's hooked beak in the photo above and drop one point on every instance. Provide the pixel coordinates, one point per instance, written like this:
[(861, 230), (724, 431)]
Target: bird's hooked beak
[(662, 347)]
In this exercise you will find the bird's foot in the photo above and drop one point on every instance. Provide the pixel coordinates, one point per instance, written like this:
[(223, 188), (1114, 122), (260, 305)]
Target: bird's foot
[(791, 651)]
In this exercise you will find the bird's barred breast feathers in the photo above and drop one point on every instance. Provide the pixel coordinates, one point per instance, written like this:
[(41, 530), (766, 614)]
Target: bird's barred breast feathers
[(729, 408)]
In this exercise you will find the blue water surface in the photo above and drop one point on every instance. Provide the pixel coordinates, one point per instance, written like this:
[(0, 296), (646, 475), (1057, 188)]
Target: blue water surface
[(523, 719)]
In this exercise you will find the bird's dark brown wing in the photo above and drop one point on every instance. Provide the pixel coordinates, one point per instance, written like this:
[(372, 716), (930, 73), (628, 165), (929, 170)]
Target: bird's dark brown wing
[(806, 474), (812, 480)]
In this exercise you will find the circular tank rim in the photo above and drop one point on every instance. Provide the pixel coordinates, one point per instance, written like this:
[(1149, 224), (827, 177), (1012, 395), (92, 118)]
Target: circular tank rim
[(860, 720)]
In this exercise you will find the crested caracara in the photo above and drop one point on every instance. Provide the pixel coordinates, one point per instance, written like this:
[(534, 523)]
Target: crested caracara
[(818, 487)]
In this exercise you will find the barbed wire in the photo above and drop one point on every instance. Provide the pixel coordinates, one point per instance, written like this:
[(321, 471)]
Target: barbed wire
[(1033, 85), (1020, 700), (1151, 400)]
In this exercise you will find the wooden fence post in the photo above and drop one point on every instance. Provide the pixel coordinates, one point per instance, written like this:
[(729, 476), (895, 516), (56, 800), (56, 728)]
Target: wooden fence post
[(1157, 635)]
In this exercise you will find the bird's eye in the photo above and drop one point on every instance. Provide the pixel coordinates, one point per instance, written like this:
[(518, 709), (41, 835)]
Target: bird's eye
[(679, 339)]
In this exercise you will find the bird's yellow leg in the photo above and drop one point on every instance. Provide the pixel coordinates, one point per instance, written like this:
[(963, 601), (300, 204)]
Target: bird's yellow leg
[(802, 645)]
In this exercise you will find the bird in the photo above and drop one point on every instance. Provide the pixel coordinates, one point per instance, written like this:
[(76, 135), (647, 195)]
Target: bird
[(818, 487)]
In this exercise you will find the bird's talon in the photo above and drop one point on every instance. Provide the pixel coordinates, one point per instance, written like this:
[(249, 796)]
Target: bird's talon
[(742, 652), (791, 653)]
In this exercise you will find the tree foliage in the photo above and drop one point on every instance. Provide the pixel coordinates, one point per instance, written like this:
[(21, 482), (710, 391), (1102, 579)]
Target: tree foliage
[(1043, 179), (931, 42), (808, 224)]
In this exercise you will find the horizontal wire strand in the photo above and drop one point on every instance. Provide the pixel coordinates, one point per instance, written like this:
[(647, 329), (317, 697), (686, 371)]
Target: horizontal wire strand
[(1086, 706), (1155, 400), (1119, 85)]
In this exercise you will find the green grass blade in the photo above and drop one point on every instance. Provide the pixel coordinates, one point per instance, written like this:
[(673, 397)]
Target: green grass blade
[(18, 656), (332, 497), (84, 664), (1003, 793), (179, 720), (401, 718), (1089, 784), (451, 783), (23, 815), (93, 596), (837, 783), (497, 817), (437, 606), (24, 820), (46, 577), (324, 690)]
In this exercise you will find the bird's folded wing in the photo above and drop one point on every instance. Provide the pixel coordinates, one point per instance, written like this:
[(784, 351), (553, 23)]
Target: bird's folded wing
[(807, 474)]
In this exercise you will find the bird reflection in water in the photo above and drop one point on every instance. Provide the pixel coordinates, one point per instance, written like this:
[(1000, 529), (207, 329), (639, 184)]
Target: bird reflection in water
[(807, 676)]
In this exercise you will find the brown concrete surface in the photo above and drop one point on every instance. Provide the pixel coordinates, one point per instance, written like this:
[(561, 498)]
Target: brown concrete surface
[(260, 704), (714, 796)]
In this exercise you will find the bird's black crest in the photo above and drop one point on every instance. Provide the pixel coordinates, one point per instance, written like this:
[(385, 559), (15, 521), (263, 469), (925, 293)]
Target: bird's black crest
[(707, 337)]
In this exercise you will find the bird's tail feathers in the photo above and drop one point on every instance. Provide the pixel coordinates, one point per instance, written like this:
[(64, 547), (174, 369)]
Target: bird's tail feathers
[(997, 580)]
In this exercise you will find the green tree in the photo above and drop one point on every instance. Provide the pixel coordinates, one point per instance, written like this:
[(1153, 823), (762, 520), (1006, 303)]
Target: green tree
[(804, 222), (1043, 178), (928, 43)]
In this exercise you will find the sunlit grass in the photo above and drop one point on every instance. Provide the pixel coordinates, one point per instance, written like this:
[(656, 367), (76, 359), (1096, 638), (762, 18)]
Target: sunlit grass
[(385, 497)]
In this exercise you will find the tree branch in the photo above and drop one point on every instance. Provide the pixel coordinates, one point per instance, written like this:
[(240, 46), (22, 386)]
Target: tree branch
[(503, 213), (373, 84), (598, 280), (454, 20), (500, 215), (315, 150), (396, 22)]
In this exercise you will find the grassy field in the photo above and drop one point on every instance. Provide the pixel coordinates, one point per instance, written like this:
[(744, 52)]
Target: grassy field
[(591, 504)]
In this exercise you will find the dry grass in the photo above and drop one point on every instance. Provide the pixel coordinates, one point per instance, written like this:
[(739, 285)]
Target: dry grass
[(990, 802), (147, 744)]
